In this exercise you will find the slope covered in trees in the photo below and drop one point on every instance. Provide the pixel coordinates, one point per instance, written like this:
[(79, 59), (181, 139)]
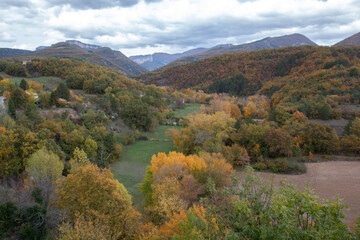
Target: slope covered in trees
[(295, 39), (287, 75), (103, 57)]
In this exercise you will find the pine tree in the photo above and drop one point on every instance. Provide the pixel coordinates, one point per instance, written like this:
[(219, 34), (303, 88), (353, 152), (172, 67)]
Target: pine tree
[(11, 108), (62, 91), (24, 85)]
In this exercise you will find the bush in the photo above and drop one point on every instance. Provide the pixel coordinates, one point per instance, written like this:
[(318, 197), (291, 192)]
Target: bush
[(260, 166)]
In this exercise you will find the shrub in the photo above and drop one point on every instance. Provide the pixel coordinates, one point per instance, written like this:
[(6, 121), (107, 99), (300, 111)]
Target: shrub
[(260, 166)]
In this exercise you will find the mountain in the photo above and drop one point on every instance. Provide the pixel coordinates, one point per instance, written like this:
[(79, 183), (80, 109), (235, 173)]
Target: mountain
[(300, 65), (10, 52), (157, 60), (353, 40), (83, 45), (120, 60), (41, 48), (295, 39), (92, 54)]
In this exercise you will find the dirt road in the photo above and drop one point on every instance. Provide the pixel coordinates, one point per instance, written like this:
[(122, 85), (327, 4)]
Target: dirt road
[(329, 179)]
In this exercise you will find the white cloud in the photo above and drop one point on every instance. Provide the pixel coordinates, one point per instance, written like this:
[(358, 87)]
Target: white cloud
[(177, 25)]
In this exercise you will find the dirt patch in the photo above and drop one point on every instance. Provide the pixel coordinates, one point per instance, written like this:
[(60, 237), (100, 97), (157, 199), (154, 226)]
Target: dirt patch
[(329, 179)]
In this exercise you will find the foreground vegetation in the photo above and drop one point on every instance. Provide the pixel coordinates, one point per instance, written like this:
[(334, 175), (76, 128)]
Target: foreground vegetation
[(73, 157)]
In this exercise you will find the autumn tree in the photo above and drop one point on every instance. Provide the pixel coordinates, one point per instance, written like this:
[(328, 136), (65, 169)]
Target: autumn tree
[(319, 138), (79, 159), (204, 131), (95, 195)]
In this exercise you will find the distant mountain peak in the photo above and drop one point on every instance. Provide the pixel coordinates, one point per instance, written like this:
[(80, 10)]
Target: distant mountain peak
[(159, 59), (83, 45), (353, 40)]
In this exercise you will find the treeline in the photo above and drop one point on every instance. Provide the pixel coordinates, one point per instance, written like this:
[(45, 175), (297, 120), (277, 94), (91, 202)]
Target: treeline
[(79, 75)]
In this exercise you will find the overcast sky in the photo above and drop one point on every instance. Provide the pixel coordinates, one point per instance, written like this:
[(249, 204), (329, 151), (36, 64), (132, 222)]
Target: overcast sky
[(148, 26)]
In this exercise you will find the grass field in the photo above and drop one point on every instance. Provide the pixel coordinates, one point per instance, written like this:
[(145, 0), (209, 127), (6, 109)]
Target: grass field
[(49, 82), (131, 168), (189, 109)]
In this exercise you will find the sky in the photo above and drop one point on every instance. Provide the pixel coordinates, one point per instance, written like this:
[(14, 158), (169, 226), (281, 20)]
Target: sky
[(137, 27)]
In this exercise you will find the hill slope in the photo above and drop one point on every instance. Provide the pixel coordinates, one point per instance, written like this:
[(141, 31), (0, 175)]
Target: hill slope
[(353, 40), (157, 60), (109, 58), (270, 42), (286, 74), (10, 52)]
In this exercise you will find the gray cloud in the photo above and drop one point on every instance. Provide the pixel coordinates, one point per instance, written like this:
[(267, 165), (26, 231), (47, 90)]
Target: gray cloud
[(44, 23), (14, 3), (94, 4), (97, 4)]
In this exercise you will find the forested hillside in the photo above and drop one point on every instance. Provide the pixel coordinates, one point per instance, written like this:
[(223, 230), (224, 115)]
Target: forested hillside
[(287, 75), (266, 43), (102, 56)]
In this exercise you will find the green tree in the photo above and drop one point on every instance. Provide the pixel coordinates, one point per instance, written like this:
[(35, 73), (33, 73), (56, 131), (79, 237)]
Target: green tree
[(62, 91), (44, 168), (136, 114), (24, 85), (11, 108), (19, 97)]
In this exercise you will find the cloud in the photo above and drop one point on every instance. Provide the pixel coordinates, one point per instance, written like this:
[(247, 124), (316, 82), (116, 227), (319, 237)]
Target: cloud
[(143, 26), (6, 37), (14, 3), (94, 4)]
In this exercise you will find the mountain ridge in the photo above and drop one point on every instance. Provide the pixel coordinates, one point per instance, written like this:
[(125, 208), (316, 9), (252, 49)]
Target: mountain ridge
[(353, 40), (159, 59), (294, 39)]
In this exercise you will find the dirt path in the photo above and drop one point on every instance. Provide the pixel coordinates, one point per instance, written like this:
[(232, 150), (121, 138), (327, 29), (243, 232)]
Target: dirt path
[(329, 179)]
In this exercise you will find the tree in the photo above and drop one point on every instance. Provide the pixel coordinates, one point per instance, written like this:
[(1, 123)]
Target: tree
[(19, 97), (319, 138), (90, 147), (62, 91), (96, 196), (24, 85), (79, 159), (136, 114), (11, 108), (44, 168), (259, 211)]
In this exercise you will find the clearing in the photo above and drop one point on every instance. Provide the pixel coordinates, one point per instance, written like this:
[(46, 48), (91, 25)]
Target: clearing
[(131, 167), (328, 180), (189, 109), (49, 82)]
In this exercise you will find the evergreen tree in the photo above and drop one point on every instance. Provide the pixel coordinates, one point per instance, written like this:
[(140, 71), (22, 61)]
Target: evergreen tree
[(11, 108), (62, 91), (19, 98), (24, 85), (53, 98)]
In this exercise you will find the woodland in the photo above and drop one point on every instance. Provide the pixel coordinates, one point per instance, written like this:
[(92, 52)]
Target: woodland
[(67, 124)]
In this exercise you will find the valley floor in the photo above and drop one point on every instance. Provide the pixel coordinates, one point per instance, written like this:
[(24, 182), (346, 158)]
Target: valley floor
[(329, 179)]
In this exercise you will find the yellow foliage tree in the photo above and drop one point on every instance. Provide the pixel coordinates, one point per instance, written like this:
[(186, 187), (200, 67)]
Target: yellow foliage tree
[(79, 159), (97, 196)]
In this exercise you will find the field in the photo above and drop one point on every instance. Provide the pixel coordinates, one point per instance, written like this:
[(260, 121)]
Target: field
[(189, 109), (330, 179), (49, 82), (131, 168)]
